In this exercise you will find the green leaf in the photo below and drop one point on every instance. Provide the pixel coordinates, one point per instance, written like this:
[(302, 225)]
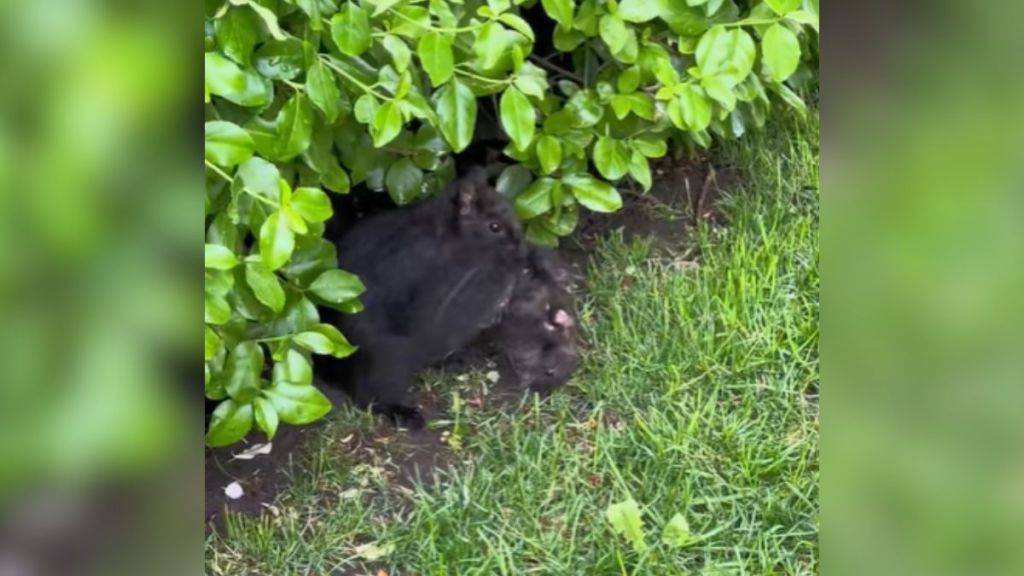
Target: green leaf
[(726, 53), (265, 285), (312, 204), (435, 52), (625, 520), (212, 342), (560, 11), (535, 200), (218, 282), (382, 6), (695, 108), (563, 224), (294, 369), (309, 262), (387, 123), (518, 24), (593, 193), (783, 7), (290, 133), (513, 180), (568, 40), (804, 17), (276, 241), (641, 105), (491, 43), (350, 29), (549, 152), (791, 98), (781, 51), (314, 342), (538, 235), (219, 257), (650, 146), (629, 80), (226, 143), (242, 371), (614, 32), (216, 309), (266, 416), (498, 6), (315, 10), (720, 91), (456, 112), (637, 10), (342, 347), (443, 11), (322, 89), (223, 77), (413, 21), (229, 423), (399, 51), (269, 18), (621, 105), (640, 170), (676, 532), (366, 106), (297, 404), (260, 177), (350, 307), (337, 286), (532, 81), (404, 181), (611, 157), (586, 108), (517, 117), (280, 59), (237, 33)]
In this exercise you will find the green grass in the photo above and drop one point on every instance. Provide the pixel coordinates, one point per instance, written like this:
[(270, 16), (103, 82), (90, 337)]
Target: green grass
[(697, 395)]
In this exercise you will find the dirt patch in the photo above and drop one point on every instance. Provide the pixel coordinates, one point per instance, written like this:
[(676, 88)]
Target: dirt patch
[(682, 194), (260, 477)]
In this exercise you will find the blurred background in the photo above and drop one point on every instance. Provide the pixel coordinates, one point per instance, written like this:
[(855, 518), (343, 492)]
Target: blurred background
[(100, 228), (100, 197), (923, 237)]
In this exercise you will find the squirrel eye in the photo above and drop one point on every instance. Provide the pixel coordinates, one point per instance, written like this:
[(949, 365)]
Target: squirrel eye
[(495, 227), (549, 372)]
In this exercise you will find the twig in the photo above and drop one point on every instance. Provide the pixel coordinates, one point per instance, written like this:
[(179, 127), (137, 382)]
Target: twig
[(558, 69)]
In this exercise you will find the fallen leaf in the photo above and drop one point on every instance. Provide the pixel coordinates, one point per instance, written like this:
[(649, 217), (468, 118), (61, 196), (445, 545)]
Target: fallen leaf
[(349, 494), (676, 532), (625, 519), (254, 451), (373, 551), (233, 491)]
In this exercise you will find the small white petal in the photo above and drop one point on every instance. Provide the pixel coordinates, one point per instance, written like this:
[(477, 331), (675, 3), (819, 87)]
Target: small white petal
[(233, 491)]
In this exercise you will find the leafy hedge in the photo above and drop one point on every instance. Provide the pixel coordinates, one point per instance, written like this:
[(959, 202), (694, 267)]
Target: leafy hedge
[(304, 96)]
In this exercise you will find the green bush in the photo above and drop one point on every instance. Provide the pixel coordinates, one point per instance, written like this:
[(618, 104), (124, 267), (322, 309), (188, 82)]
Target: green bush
[(304, 96)]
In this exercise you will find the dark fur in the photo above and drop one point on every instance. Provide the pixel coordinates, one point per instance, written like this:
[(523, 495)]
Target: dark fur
[(538, 333), (437, 274)]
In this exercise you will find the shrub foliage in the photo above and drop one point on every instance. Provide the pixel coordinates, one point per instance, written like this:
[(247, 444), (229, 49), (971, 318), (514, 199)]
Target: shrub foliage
[(308, 96)]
